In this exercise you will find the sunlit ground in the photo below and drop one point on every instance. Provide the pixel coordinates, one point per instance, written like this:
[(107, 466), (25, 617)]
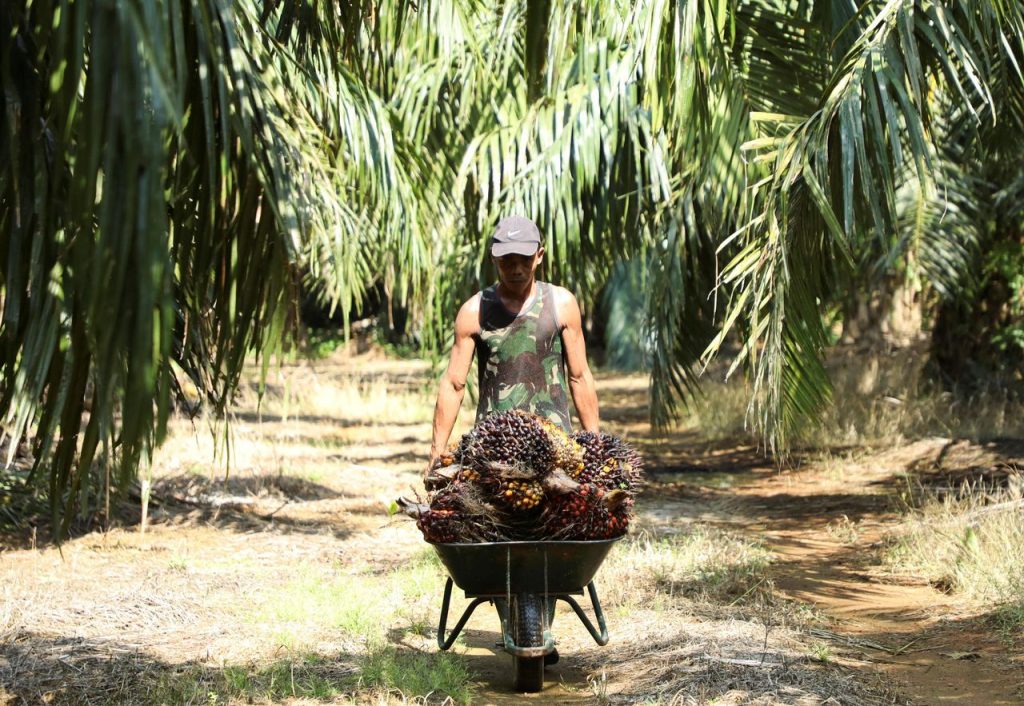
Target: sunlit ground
[(284, 577)]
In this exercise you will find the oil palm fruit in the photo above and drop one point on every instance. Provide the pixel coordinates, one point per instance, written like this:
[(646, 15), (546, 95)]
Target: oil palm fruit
[(567, 454), (514, 438), (521, 494), (586, 513), (608, 461), (518, 476), (459, 512), (440, 526)]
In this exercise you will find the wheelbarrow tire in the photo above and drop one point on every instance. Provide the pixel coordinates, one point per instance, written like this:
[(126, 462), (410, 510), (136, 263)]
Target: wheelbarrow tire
[(528, 631), (529, 674)]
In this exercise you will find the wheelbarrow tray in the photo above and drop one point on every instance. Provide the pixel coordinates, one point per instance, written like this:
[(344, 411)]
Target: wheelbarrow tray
[(502, 568)]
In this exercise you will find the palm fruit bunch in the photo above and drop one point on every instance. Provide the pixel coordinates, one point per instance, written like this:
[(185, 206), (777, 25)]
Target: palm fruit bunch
[(588, 512), (455, 513), (514, 439), (567, 453), (448, 460), (518, 476), (521, 494), (439, 521), (439, 526), (608, 461)]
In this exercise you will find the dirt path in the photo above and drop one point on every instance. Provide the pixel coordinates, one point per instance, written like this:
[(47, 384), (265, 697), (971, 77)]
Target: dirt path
[(825, 530), (237, 575)]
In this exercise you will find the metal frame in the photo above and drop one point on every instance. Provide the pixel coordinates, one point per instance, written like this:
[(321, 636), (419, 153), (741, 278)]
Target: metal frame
[(443, 642), (445, 639)]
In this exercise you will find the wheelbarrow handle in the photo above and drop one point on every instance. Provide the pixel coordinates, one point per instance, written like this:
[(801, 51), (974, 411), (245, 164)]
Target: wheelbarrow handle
[(443, 641)]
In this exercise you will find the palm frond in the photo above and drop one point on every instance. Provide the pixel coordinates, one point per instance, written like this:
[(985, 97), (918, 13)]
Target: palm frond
[(577, 162), (874, 101), (182, 156)]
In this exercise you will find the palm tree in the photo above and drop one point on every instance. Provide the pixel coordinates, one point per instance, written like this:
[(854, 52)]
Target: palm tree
[(762, 158), (868, 179), (166, 171), (809, 149)]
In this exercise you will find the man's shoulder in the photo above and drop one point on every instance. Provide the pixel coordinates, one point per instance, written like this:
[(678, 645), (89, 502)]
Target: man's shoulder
[(562, 296), (467, 321), (471, 305)]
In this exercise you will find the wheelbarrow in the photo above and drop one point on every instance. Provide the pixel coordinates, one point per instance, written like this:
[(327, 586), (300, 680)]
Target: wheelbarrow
[(524, 581)]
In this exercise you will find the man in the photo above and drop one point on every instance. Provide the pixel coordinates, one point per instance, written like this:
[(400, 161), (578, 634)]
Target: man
[(528, 339)]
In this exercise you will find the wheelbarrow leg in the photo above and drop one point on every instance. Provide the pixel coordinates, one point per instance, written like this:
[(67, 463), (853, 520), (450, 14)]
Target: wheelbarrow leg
[(446, 642), (601, 637)]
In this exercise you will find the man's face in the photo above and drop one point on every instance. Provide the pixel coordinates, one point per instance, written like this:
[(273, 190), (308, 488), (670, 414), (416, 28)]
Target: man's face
[(517, 270)]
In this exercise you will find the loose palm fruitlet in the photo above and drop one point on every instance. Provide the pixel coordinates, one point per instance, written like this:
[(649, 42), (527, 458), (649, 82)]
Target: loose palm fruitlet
[(518, 476)]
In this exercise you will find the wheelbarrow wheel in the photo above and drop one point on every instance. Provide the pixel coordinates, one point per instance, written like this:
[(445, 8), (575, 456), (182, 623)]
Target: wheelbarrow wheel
[(528, 631), (529, 674)]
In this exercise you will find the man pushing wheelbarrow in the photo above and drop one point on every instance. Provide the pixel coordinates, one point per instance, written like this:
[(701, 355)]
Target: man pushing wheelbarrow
[(523, 510), (525, 335)]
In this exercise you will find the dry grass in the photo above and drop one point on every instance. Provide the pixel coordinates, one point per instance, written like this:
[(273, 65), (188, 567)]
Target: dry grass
[(383, 394), (679, 660), (970, 542), (701, 624), (699, 564), (887, 398), (879, 399), (287, 582), (720, 413)]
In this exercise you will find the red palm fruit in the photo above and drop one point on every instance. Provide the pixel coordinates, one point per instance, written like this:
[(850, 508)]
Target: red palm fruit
[(584, 513)]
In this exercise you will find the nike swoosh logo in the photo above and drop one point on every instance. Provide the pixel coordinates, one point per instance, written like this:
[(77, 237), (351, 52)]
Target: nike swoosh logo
[(513, 232)]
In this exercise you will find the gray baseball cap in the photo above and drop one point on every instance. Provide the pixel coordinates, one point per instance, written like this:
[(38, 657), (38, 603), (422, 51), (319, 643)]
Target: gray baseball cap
[(515, 235)]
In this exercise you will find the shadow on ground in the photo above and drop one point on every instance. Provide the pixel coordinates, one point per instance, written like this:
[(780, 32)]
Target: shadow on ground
[(37, 669), (73, 671), (964, 465)]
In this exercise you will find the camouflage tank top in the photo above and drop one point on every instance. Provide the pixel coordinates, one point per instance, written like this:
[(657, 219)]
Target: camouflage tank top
[(520, 362)]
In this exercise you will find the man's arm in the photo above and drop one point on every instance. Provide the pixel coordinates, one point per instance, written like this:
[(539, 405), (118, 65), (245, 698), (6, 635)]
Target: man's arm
[(453, 383), (581, 381)]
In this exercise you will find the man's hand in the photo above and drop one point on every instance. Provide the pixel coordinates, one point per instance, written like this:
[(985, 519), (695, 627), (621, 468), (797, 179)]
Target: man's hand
[(439, 475), (432, 464)]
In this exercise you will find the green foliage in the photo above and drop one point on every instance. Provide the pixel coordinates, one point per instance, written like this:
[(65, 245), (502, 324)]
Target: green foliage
[(626, 340), (165, 168), (417, 673), (1006, 261), (170, 170), (1009, 619), (381, 670), (321, 344), (304, 677)]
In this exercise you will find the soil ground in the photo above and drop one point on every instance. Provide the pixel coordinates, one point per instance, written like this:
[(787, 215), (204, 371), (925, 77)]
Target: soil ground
[(218, 578), (825, 533)]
